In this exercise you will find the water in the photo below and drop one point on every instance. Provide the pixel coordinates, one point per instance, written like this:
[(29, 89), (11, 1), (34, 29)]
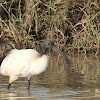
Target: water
[(58, 82)]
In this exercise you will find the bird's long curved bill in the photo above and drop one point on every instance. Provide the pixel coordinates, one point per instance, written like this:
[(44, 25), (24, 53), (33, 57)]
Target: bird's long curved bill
[(62, 53)]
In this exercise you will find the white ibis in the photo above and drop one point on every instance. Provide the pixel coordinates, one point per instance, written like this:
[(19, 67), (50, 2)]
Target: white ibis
[(27, 62)]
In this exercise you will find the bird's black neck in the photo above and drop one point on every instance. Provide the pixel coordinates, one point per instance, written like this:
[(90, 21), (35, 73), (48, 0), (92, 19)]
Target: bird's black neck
[(43, 50)]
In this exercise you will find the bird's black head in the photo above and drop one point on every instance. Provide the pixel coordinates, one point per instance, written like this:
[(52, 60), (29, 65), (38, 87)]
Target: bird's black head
[(48, 44)]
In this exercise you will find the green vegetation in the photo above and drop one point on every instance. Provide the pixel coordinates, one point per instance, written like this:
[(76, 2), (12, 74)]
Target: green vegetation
[(73, 25)]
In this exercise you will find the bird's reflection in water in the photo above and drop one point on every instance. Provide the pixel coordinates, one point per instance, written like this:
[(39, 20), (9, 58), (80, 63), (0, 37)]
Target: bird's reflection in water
[(15, 96)]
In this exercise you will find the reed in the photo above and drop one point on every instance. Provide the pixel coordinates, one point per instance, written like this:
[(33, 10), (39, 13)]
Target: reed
[(72, 25)]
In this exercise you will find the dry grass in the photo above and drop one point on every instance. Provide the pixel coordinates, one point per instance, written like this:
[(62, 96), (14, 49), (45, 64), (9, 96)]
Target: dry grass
[(74, 25)]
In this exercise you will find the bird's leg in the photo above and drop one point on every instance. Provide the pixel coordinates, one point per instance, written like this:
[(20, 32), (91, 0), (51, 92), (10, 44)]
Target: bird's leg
[(28, 88), (12, 79), (9, 86)]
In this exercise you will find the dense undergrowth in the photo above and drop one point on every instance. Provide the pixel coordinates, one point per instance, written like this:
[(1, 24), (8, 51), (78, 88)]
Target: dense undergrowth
[(74, 25)]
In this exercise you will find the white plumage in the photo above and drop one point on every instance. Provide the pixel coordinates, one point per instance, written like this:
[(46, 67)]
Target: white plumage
[(23, 63), (27, 62)]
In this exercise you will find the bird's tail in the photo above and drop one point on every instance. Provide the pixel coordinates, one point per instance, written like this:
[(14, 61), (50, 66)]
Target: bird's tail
[(1, 59)]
